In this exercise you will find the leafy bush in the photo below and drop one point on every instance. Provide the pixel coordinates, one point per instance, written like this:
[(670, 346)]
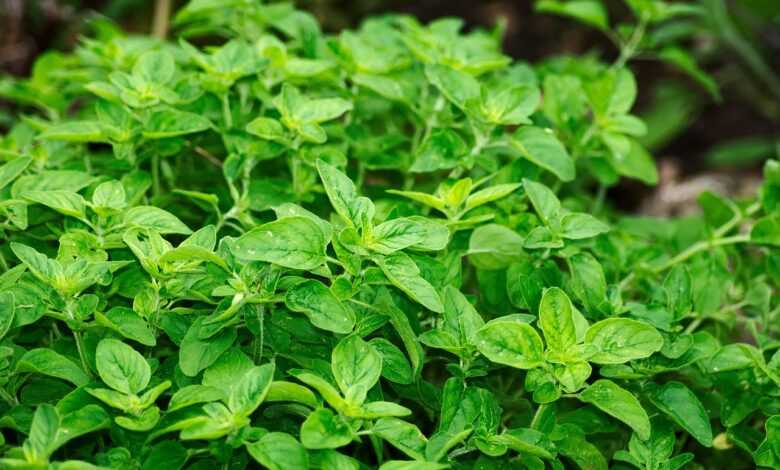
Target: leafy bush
[(385, 248)]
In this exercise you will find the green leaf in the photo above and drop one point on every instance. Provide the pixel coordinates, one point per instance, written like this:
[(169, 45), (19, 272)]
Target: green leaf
[(460, 88), (267, 128), (510, 106), (165, 454), (39, 264), (411, 465), (588, 282), (154, 218), (441, 150), (354, 210), (679, 294), (12, 169), (64, 202), (395, 366), (54, 180), (292, 392), (636, 163), (545, 201), (110, 195), (321, 110), (405, 232), (494, 246), (128, 324), (680, 403), (404, 436), (618, 403), (356, 365), (684, 61), (621, 340), (510, 342), (7, 307), (542, 148), (405, 275), (766, 230), (578, 226), (195, 354), (194, 394), (251, 390), (590, 12), (293, 242), (279, 451), (325, 430), (75, 131), (121, 367), (556, 321), (48, 362), (155, 67), (490, 194), (460, 317), (526, 441), (172, 123), (323, 309)]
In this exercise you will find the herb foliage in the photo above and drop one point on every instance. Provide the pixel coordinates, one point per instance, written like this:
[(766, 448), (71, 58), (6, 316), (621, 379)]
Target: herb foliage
[(380, 248)]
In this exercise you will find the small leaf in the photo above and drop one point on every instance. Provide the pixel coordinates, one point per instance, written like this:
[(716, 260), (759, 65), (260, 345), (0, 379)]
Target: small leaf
[(681, 404), (127, 323), (48, 362), (490, 194), (12, 169), (150, 217), (556, 321), (279, 451), (621, 340), (511, 343), (121, 367), (195, 354), (325, 430), (251, 390), (356, 366), (545, 201), (544, 149), (619, 403), (64, 202), (293, 242), (460, 88), (578, 226), (172, 123), (404, 274), (323, 309), (590, 12), (404, 232), (155, 67)]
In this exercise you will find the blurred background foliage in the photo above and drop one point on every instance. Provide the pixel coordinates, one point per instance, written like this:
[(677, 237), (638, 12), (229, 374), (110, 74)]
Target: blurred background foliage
[(712, 104)]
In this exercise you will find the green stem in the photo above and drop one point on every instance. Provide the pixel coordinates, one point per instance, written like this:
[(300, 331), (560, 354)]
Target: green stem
[(82, 354), (537, 416), (257, 346), (156, 191), (693, 325), (629, 49), (600, 196), (3, 262), (699, 247), (718, 240), (228, 116), (10, 399)]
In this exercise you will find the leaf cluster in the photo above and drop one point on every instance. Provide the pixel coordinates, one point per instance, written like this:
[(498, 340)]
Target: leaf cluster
[(375, 249)]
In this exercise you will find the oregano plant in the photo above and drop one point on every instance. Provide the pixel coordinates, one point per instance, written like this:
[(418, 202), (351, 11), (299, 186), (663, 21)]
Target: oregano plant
[(257, 244)]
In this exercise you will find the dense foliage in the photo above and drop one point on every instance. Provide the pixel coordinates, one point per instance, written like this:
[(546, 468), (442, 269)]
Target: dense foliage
[(384, 248)]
